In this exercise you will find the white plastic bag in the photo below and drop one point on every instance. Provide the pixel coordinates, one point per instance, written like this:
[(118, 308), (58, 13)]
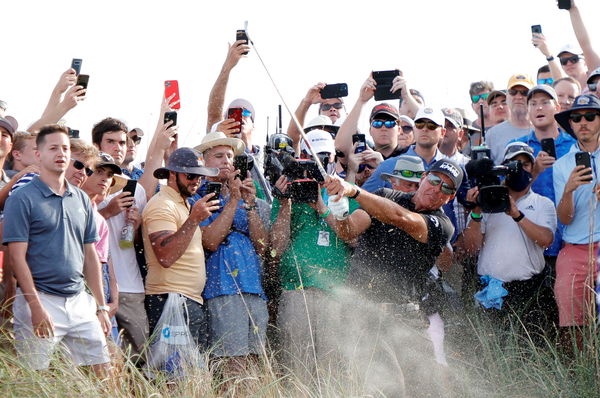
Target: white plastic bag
[(172, 347)]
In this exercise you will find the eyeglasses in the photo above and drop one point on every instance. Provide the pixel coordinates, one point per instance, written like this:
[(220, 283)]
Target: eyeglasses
[(408, 173), (593, 86), (547, 81), (514, 91), (380, 123), (326, 107), (446, 188), (80, 166), (407, 129), (136, 139), (589, 116), (429, 124), (574, 59), (476, 98)]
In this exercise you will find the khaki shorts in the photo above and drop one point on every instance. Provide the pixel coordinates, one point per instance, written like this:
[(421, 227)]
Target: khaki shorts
[(76, 328)]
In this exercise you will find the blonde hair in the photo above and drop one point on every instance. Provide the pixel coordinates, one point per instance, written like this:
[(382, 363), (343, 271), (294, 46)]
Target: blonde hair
[(85, 150), (19, 140)]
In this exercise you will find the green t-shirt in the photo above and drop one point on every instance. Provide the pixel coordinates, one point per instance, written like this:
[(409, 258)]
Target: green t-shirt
[(322, 258)]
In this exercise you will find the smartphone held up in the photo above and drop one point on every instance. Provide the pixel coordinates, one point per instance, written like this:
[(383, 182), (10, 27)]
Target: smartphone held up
[(242, 35), (172, 89)]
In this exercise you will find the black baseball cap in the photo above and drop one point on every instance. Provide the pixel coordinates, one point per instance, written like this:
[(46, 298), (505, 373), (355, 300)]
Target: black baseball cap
[(449, 168), (107, 161)]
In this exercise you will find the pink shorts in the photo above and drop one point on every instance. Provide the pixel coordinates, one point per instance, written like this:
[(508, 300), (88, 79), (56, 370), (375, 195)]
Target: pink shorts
[(574, 286)]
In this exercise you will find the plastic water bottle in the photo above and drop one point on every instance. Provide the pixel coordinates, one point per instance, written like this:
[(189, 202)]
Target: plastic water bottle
[(126, 241)]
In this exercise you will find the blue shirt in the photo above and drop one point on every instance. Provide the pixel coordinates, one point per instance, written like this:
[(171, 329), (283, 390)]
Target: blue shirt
[(387, 166), (56, 229), (578, 231), (543, 184), (134, 174), (234, 267)]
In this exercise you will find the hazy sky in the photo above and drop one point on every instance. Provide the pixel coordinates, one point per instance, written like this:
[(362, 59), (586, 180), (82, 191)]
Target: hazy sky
[(130, 47)]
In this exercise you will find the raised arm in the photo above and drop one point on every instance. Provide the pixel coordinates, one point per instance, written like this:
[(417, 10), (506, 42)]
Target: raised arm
[(399, 83), (57, 108), (592, 59), (343, 139), (313, 96), (539, 41), (216, 100)]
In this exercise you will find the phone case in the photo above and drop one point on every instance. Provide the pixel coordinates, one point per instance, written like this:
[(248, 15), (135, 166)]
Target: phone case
[(171, 116), (384, 81), (549, 147), (241, 35), (83, 80), (235, 113), (172, 87), (583, 159), (76, 64), (334, 91)]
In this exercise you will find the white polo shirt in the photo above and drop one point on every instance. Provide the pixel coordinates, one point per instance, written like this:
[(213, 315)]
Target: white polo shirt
[(127, 271), (508, 253)]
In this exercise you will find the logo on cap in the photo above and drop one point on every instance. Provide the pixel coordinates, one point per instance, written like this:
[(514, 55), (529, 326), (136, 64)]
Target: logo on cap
[(520, 77), (428, 110), (447, 166), (583, 101)]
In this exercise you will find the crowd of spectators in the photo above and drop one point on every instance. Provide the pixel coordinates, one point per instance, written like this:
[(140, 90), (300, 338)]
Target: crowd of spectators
[(504, 207)]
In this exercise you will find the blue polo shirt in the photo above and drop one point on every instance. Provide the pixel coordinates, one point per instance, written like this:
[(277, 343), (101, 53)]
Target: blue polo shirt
[(55, 229), (578, 231), (543, 184), (387, 166)]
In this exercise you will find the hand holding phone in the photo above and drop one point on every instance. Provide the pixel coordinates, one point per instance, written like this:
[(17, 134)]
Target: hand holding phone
[(362, 142), (564, 4), (334, 91), (171, 116), (213, 187), (384, 80), (235, 114), (584, 159), (242, 35), (549, 147), (82, 80), (130, 188)]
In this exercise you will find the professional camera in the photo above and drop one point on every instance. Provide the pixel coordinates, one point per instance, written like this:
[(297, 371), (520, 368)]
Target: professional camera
[(493, 197), (303, 175)]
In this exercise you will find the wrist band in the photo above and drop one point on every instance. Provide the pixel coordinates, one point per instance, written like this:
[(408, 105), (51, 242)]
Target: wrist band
[(519, 217), (324, 215), (476, 217), (103, 308), (356, 194), (550, 58)]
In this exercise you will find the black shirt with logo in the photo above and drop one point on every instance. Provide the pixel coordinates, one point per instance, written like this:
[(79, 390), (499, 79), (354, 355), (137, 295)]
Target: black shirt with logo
[(389, 265)]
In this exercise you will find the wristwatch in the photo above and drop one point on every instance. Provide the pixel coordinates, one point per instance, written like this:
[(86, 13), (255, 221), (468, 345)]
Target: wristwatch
[(550, 58), (519, 217), (103, 308), (356, 194)]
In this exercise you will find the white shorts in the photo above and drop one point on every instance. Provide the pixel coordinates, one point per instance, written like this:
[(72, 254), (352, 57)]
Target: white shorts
[(76, 326)]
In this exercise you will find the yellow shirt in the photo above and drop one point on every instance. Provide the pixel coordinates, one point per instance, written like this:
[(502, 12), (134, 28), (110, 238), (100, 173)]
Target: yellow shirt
[(167, 211)]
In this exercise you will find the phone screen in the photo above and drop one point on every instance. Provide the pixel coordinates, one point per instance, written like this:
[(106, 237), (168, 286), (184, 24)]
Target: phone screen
[(240, 162), (536, 28), (172, 87), (361, 139)]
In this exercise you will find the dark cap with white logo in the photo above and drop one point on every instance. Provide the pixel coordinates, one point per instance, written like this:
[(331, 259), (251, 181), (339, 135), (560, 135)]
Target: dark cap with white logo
[(449, 168)]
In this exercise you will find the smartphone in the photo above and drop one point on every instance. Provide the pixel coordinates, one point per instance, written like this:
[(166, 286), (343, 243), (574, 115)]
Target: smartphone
[(171, 116), (240, 162), (76, 64), (172, 87), (584, 159), (236, 114), (362, 140), (241, 35), (130, 187), (334, 91), (214, 187), (549, 147), (82, 80), (536, 29), (384, 81), (564, 4), (73, 133)]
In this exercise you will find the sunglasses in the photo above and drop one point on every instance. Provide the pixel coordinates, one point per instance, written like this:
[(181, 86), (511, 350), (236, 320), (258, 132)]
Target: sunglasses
[(593, 86), (326, 107), (514, 91), (430, 125), (446, 188), (407, 129), (476, 98), (191, 176), (136, 139), (547, 81), (589, 116), (409, 173), (80, 166), (379, 123), (246, 113), (574, 59), (364, 166)]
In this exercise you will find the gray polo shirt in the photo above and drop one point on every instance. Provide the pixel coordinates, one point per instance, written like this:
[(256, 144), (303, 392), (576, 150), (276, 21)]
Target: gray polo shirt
[(55, 228)]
